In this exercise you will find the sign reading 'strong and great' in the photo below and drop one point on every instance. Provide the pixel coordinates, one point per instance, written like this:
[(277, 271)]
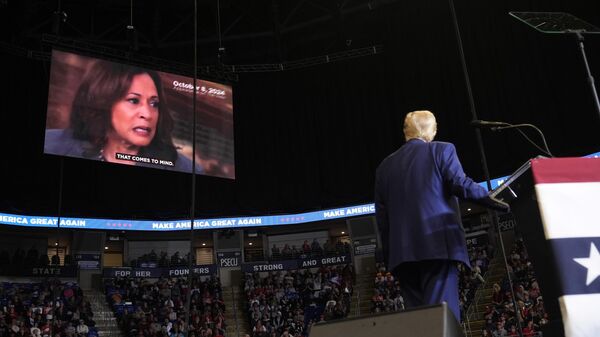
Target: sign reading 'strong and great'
[(296, 264)]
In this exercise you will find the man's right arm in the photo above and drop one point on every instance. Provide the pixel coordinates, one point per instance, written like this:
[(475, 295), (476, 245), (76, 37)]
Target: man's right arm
[(463, 186), (454, 176)]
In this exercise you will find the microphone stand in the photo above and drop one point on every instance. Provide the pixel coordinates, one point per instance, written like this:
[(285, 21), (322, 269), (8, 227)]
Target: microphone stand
[(493, 215), (546, 150)]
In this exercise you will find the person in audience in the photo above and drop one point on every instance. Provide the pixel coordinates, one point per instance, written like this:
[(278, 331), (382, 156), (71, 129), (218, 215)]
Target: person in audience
[(306, 247), (82, 329), (315, 248), (259, 330), (286, 252), (275, 253), (328, 248)]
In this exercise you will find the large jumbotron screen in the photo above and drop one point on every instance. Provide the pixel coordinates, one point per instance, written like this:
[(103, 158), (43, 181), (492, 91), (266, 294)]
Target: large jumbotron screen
[(125, 114)]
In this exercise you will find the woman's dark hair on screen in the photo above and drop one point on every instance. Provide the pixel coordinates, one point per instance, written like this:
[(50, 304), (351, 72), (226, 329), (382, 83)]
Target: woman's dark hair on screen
[(102, 86)]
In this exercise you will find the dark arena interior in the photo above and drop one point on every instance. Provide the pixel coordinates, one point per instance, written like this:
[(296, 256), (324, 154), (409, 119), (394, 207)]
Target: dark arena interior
[(264, 122)]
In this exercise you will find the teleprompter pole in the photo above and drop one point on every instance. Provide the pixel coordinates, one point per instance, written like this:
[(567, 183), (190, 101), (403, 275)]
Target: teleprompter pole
[(588, 72)]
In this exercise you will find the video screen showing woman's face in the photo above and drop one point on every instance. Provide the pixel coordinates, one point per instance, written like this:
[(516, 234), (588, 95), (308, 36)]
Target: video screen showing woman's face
[(125, 114)]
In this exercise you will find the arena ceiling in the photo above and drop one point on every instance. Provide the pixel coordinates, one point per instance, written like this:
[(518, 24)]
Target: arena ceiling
[(230, 32)]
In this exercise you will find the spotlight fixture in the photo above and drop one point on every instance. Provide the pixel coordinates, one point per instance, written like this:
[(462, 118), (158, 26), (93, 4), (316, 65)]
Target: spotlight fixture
[(132, 36)]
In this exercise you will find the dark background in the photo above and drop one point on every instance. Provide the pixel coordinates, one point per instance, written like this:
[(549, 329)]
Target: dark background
[(305, 138)]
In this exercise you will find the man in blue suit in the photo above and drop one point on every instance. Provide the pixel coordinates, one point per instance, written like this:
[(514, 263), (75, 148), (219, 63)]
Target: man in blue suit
[(417, 214)]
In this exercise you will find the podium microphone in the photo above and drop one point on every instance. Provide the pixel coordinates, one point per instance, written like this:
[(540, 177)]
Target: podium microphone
[(498, 126), (487, 124)]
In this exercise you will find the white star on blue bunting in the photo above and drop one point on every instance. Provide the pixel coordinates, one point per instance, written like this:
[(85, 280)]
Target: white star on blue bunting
[(592, 263)]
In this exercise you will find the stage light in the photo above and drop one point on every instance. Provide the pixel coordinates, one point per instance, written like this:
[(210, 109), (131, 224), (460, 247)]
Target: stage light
[(132, 36), (249, 243), (343, 232), (58, 18), (105, 247), (204, 244), (468, 209)]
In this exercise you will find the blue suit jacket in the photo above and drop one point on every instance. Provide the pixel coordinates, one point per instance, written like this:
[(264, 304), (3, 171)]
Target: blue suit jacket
[(416, 206)]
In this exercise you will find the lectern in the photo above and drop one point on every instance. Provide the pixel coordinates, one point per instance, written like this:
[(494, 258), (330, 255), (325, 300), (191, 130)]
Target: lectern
[(556, 203)]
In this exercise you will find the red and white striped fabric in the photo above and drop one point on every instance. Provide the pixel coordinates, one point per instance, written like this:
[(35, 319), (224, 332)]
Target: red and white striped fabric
[(568, 195)]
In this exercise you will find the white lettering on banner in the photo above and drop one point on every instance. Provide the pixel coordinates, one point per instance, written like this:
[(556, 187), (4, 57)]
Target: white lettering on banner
[(122, 273), (178, 272), (183, 225), (14, 219), (255, 221), (332, 260), (203, 270), (222, 223), (506, 224), (309, 263), (182, 272), (201, 223), (268, 267), (360, 210), (69, 222), (46, 271), (336, 213), (43, 221), (165, 225), (229, 262), (142, 273)]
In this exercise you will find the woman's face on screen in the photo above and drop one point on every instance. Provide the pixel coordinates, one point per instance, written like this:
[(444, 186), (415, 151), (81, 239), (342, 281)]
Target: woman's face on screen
[(135, 116)]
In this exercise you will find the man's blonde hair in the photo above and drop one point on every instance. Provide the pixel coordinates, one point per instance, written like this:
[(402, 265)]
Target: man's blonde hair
[(420, 124)]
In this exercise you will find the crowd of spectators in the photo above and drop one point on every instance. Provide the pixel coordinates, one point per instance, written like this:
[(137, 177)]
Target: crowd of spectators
[(312, 249), (157, 308), (46, 309), (501, 316), (471, 279), (287, 303), (387, 295)]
